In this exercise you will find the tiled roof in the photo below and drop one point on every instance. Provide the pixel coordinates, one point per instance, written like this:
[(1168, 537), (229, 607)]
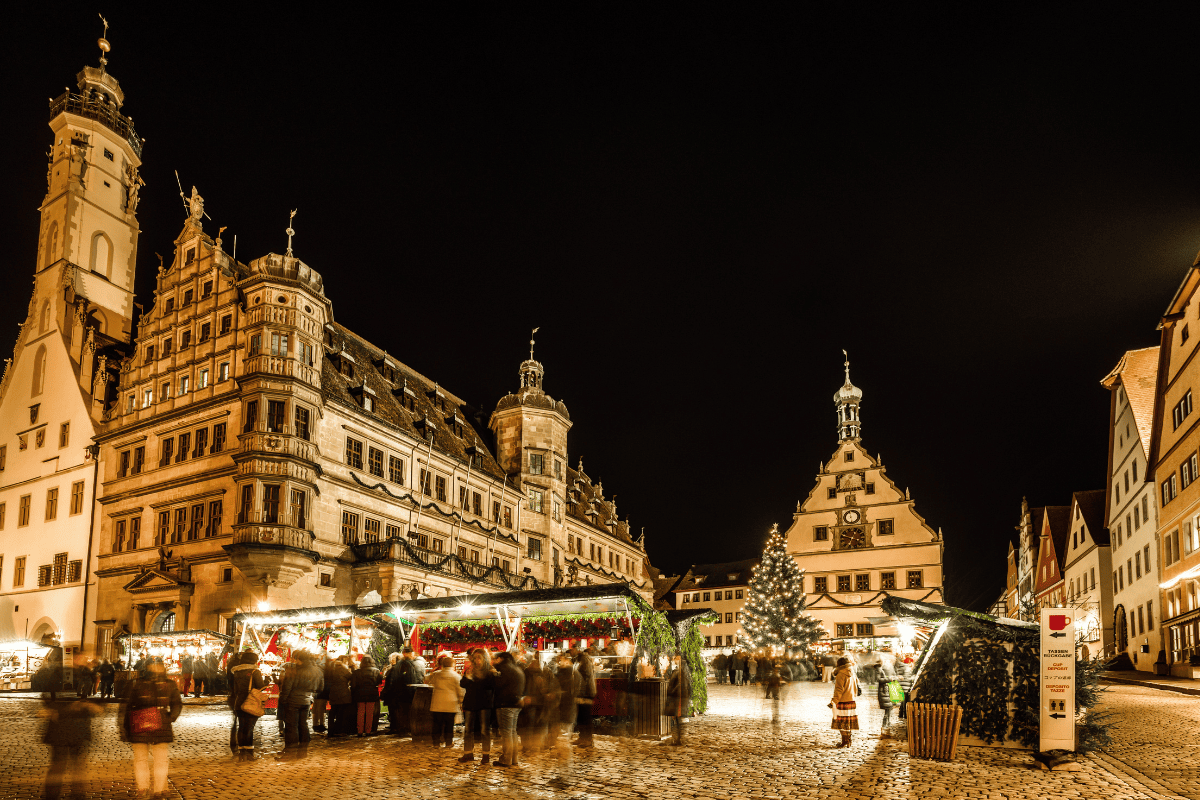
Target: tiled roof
[(705, 575), (1060, 528), (583, 497), (1138, 373), (1091, 505), (368, 359)]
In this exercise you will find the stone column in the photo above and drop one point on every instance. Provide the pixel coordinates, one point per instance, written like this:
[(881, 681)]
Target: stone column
[(186, 606), (140, 616)]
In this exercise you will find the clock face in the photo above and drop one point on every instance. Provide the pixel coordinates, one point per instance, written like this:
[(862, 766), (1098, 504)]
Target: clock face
[(851, 516), (852, 538)]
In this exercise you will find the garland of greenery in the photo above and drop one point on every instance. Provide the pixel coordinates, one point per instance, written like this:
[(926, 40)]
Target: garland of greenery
[(1026, 691), (985, 680), (380, 646), (655, 636), (693, 644)]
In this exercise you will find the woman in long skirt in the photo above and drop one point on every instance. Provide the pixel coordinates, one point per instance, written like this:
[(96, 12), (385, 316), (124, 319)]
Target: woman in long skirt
[(844, 705)]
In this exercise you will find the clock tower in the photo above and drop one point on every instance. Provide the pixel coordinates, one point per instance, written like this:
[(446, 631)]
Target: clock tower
[(859, 537)]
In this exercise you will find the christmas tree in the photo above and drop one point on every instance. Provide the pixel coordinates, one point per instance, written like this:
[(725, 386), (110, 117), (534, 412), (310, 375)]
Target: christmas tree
[(773, 617)]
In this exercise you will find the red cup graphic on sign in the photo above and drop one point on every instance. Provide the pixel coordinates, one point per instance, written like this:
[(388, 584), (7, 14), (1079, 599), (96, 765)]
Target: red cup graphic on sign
[(1059, 621)]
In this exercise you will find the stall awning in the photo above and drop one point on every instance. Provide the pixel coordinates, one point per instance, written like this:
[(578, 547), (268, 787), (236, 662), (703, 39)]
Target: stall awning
[(606, 598), (199, 633)]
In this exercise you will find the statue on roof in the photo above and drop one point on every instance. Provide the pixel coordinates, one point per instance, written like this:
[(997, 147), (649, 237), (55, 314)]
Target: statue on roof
[(195, 207)]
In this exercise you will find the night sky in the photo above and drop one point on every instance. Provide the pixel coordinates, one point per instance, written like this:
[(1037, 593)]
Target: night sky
[(700, 210)]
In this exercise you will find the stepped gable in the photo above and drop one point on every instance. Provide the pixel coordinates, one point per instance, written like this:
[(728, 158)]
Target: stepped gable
[(584, 496), (367, 362), (1091, 506)]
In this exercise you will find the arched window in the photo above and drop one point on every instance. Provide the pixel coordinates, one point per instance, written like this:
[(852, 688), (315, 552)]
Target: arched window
[(102, 255), (39, 371), (44, 319), (165, 623), (51, 243)]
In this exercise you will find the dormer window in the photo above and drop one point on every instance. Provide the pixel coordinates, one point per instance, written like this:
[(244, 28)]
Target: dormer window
[(364, 396), (427, 427), (475, 453), (387, 370), (437, 398), (328, 336), (456, 423), (406, 396)]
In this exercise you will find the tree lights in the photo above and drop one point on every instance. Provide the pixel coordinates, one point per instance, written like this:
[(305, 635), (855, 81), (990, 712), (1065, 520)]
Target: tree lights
[(773, 618)]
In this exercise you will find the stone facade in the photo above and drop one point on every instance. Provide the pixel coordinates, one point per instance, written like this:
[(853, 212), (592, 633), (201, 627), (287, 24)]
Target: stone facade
[(859, 538), (724, 588), (1175, 456), (62, 371), (258, 454), (1087, 563)]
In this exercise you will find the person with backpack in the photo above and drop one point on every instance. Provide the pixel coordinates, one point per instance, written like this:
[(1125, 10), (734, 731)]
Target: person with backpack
[(245, 698), (889, 693), (147, 713)]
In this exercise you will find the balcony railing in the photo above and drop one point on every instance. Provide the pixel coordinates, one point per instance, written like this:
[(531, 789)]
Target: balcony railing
[(274, 536), (283, 517), (284, 366), (101, 112), (403, 552), (278, 444)]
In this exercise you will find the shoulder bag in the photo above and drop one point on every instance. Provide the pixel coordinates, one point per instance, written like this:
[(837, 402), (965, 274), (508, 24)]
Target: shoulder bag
[(253, 704)]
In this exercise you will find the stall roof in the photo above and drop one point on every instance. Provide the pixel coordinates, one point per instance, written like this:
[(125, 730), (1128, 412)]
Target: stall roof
[(932, 613), (594, 599), (192, 634)]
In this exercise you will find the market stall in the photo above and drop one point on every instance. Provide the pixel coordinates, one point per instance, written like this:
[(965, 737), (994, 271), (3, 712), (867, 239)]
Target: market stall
[(172, 647), (332, 632), (19, 660)]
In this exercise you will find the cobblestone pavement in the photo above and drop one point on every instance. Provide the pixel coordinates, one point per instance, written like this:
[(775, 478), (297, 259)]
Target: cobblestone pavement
[(736, 751)]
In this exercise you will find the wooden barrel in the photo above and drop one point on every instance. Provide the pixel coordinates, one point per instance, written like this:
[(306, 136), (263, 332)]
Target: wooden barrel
[(419, 718)]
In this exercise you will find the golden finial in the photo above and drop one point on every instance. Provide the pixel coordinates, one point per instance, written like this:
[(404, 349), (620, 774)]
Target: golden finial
[(105, 47)]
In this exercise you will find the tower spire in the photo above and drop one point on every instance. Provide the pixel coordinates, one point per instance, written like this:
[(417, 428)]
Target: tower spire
[(105, 47), (290, 232), (535, 330), (847, 400)]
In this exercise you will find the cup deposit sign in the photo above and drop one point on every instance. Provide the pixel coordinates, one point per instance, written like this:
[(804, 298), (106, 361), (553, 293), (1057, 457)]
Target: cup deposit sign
[(1058, 679)]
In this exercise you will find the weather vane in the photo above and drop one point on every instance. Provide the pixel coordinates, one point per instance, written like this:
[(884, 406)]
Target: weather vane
[(103, 42), (535, 330), (847, 365), (290, 232)]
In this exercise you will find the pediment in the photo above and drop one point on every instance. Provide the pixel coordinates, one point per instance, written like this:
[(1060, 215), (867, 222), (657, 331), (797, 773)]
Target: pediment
[(153, 581)]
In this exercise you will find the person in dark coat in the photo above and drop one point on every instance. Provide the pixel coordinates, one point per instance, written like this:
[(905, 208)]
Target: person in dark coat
[(321, 699), (108, 676), (85, 679), (186, 670), (508, 698), (244, 677), (296, 692), (479, 684), (69, 733), (401, 678), (679, 698), (201, 680), (146, 716), (341, 702), (721, 665), (364, 692)]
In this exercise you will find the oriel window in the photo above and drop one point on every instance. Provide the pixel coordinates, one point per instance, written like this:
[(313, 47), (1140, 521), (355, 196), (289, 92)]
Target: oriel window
[(299, 507)]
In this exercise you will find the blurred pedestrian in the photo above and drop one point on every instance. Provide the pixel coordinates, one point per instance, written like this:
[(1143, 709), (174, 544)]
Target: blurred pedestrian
[(147, 714), (186, 671), (296, 692), (447, 698), (245, 677), (509, 697), (532, 722), (585, 698), (364, 692), (679, 698), (721, 665), (85, 679), (201, 678), (479, 684), (751, 669), (561, 702), (108, 676), (68, 731), (844, 705), (884, 691), (321, 697)]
